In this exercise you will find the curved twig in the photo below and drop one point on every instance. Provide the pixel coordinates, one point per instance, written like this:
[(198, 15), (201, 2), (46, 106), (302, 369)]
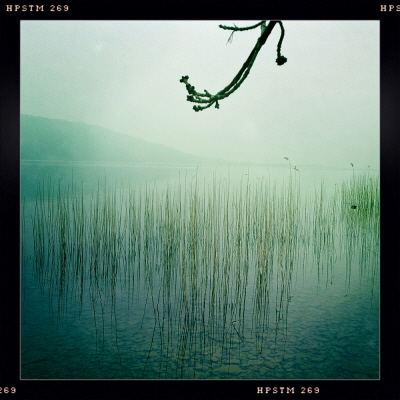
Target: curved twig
[(235, 28), (209, 99)]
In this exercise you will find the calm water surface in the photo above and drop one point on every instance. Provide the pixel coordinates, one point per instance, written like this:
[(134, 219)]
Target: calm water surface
[(139, 272)]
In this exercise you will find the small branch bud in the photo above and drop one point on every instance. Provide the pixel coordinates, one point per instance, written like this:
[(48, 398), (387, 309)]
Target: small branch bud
[(281, 60)]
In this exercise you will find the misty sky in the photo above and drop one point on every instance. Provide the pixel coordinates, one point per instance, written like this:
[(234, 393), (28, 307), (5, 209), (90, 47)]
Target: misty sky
[(321, 107)]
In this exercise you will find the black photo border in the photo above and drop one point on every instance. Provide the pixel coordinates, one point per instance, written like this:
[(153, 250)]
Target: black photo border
[(387, 387)]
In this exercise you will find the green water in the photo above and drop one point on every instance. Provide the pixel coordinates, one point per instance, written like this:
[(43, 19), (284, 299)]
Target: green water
[(198, 276)]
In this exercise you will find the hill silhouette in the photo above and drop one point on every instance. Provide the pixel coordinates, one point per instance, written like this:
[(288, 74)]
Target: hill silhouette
[(59, 140)]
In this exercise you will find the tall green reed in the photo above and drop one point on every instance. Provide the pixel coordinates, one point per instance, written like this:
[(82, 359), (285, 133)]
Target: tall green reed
[(200, 258)]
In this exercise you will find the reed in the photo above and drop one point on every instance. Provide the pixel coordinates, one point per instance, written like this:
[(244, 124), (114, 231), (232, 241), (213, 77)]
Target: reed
[(197, 257)]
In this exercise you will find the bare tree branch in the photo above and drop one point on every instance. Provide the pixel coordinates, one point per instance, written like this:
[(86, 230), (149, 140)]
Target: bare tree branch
[(235, 28), (209, 99)]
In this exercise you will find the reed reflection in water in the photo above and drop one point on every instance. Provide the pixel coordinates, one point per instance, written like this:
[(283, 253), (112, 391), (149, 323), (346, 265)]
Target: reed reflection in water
[(198, 280)]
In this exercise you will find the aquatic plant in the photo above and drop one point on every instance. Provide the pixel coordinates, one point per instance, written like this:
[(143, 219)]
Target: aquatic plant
[(196, 258)]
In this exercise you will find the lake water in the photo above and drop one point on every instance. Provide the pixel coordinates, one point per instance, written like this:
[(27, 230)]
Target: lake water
[(153, 272)]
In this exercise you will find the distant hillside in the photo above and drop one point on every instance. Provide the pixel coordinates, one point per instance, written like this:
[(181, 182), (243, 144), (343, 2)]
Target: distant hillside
[(59, 140)]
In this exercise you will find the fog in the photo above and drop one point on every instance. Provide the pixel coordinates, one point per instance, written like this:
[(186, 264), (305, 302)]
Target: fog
[(320, 108)]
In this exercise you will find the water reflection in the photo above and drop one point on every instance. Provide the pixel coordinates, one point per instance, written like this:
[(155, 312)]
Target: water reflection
[(196, 280)]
